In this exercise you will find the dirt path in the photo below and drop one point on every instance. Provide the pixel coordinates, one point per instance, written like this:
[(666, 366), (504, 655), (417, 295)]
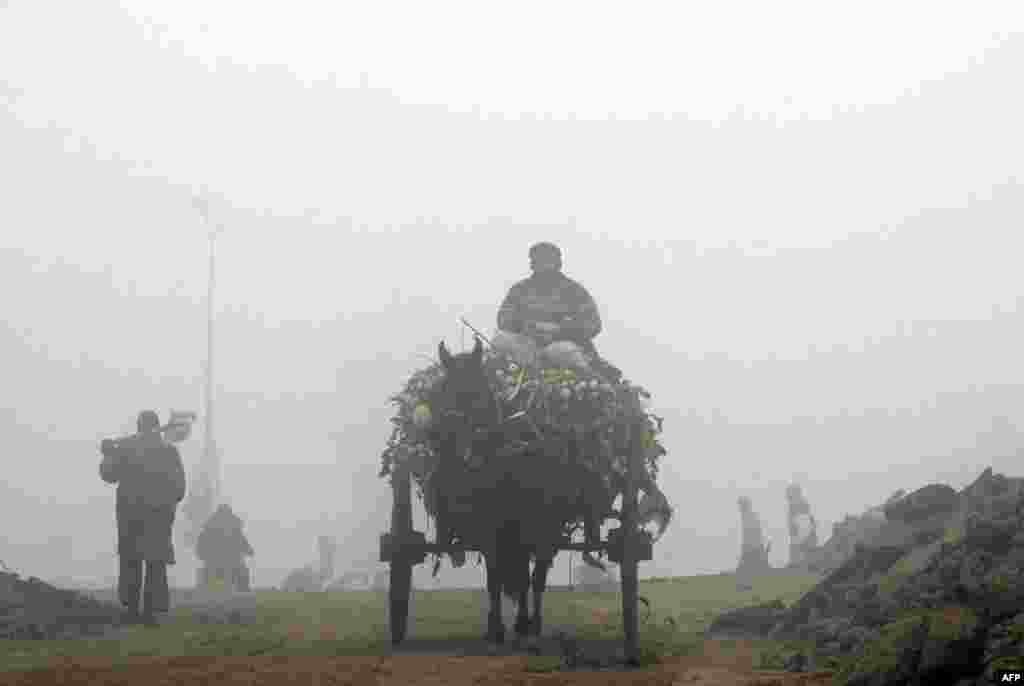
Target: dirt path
[(400, 670)]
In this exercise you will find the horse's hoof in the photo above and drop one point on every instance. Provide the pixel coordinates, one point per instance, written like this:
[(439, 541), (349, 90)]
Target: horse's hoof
[(533, 645), (523, 626)]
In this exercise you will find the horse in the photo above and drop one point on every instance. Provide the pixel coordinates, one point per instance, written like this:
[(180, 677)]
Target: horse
[(511, 519)]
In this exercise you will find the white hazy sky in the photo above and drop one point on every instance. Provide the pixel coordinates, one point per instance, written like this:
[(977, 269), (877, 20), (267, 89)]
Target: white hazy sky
[(784, 210)]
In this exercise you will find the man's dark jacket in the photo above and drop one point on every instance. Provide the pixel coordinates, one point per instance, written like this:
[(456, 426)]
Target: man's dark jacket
[(150, 480), (552, 297), (222, 543)]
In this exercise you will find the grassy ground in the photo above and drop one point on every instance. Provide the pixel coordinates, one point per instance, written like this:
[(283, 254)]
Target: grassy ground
[(354, 623)]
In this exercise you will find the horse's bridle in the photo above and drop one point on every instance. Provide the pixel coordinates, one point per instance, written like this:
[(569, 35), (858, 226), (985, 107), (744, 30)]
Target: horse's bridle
[(462, 414), (476, 430)]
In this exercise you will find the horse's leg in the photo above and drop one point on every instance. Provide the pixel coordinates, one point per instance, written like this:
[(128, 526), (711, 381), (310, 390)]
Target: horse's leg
[(495, 623), (539, 582), (598, 502), (591, 526), (522, 611)]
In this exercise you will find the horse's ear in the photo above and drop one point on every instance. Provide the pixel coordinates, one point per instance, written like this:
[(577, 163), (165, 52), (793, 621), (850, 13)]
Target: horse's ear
[(478, 351), (444, 356)]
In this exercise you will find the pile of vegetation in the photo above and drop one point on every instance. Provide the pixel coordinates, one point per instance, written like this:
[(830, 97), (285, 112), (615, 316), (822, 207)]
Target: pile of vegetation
[(564, 414)]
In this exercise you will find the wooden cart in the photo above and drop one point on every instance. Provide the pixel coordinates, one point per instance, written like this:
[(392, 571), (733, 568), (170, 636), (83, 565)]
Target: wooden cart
[(403, 548)]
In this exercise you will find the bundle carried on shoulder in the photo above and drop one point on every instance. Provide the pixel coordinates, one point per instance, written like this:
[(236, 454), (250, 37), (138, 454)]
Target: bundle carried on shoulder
[(553, 406)]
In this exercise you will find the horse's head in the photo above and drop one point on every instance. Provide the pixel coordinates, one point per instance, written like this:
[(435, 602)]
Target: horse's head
[(466, 406)]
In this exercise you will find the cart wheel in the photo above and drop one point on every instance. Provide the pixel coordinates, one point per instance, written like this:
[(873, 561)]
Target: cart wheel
[(629, 581), (629, 568), (401, 561), (398, 593)]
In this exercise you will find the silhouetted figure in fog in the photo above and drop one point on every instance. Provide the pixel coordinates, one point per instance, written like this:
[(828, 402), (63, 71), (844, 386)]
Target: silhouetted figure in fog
[(803, 529), (150, 482), (753, 552), (328, 549), (223, 547), (548, 316)]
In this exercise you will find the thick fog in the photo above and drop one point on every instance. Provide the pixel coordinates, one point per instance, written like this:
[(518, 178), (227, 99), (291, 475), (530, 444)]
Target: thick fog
[(803, 232)]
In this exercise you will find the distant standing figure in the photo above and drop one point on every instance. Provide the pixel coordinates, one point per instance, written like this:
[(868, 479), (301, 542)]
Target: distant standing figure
[(753, 552), (328, 549), (803, 529), (222, 546), (150, 482)]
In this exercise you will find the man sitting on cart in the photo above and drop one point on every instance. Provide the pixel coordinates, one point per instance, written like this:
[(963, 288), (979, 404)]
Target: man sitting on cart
[(548, 317)]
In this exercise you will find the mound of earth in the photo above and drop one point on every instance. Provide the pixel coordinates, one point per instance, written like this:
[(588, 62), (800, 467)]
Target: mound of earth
[(934, 596), (923, 504), (847, 534), (33, 609)]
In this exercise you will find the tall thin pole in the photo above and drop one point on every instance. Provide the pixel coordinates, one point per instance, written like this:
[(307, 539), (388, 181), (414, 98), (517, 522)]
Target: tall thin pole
[(210, 457), (205, 490)]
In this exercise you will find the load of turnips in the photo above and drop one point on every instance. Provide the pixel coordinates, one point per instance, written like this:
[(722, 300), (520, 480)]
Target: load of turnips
[(574, 415)]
